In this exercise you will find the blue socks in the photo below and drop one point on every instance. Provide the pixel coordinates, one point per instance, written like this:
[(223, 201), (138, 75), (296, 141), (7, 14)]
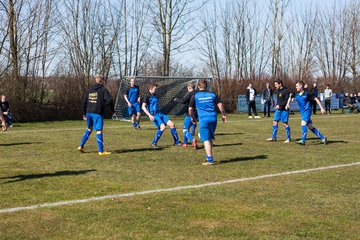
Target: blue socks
[(210, 159), (85, 138), (287, 129), (274, 132), (100, 142), (193, 129), (317, 133), (304, 133), (175, 135), (188, 136), (157, 136)]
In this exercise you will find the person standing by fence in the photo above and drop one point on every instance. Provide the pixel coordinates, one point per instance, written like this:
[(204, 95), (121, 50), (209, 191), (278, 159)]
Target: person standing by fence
[(327, 95)]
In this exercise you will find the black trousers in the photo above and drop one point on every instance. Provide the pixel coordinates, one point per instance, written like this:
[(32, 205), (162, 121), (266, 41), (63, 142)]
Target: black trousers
[(327, 105), (267, 106), (252, 106), (313, 105)]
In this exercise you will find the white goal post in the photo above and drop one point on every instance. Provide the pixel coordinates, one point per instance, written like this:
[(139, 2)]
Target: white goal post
[(168, 89)]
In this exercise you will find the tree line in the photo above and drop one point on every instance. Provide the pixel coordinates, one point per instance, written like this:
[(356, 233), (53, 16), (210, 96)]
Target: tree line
[(51, 49)]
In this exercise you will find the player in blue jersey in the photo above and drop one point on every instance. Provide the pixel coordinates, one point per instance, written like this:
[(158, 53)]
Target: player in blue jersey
[(94, 103), (281, 111), (187, 120), (205, 103), (133, 101), (304, 100), (151, 108)]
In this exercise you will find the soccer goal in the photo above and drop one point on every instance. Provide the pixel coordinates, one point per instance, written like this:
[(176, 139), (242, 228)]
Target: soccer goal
[(168, 89)]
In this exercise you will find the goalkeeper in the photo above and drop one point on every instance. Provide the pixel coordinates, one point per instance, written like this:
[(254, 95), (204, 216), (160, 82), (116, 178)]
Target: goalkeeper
[(187, 120), (151, 108)]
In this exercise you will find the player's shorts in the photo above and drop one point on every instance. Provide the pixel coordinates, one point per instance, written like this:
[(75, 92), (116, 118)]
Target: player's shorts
[(306, 116), (135, 108), (207, 130), (282, 115), (94, 121), (187, 122), (159, 119)]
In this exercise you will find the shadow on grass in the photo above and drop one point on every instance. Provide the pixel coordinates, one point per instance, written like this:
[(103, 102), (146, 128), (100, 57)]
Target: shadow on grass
[(222, 145), (319, 142), (139, 150), (228, 133), (20, 143), (44, 175), (241, 159)]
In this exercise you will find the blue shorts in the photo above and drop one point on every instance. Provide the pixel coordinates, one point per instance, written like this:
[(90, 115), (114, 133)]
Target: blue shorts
[(207, 130), (305, 116), (160, 119), (187, 123), (94, 121), (282, 115), (135, 108)]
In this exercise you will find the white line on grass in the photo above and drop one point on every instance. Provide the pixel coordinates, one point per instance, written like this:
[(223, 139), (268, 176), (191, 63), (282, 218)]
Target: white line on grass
[(131, 194)]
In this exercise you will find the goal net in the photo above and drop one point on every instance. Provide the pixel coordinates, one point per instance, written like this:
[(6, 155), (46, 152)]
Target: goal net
[(168, 89)]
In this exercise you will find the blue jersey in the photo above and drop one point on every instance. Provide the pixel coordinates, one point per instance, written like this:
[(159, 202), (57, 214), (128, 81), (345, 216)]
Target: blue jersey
[(205, 103), (152, 104), (133, 94), (303, 101)]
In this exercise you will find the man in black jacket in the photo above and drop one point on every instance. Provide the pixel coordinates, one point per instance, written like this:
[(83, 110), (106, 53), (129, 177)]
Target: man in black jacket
[(268, 99), (314, 92), (94, 103), (5, 108)]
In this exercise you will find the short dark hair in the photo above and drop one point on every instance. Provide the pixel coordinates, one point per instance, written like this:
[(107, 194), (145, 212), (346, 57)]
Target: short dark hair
[(279, 81), (153, 84), (202, 83), (300, 82)]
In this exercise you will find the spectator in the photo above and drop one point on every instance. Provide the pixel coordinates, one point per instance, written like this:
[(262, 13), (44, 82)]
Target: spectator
[(328, 94), (358, 102), (268, 99), (5, 108), (314, 92), (346, 100), (250, 99)]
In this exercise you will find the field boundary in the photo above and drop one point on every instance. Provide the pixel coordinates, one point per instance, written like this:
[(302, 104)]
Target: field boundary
[(162, 190)]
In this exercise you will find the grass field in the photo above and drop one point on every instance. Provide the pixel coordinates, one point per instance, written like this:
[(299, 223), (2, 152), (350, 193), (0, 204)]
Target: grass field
[(39, 164)]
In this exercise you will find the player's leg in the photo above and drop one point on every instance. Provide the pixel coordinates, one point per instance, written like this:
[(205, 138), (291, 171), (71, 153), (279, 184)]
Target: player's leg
[(138, 114), (285, 120), (187, 135), (277, 118), (85, 137), (207, 132), (316, 132), (174, 134), (98, 127), (160, 125)]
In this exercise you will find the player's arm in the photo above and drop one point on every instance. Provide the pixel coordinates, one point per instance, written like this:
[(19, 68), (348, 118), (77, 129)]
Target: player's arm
[(192, 109), (126, 98), (144, 108), (2, 119), (320, 105), (221, 108), (84, 105), (290, 96)]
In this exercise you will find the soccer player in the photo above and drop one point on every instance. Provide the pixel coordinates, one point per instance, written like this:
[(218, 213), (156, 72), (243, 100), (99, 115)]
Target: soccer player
[(5, 108), (205, 103), (133, 101), (304, 99), (187, 120), (281, 111), (94, 103), (151, 108)]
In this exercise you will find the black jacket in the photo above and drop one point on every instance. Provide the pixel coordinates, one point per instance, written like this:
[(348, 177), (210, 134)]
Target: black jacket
[(268, 95), (282, 97), (186, 100), (5, 106), (96, 99), (247, 96)]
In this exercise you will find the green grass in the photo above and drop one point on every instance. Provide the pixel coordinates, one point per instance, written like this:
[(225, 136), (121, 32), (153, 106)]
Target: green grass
[(39, 163)]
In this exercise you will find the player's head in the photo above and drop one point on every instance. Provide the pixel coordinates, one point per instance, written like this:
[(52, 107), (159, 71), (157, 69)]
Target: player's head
[(3, 98), (278, 83), (299, 86), (152, 87), (250, 85), (202, 84), (267, 85), (191, 86), (132, 81), (100, 79), (314, 84)]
